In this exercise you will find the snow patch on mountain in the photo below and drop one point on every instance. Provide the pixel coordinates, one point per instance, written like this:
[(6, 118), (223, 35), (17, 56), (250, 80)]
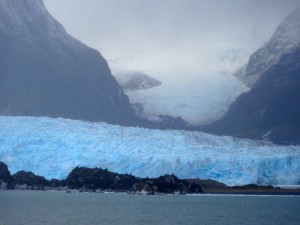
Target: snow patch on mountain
[(284, 40), (53, 147)]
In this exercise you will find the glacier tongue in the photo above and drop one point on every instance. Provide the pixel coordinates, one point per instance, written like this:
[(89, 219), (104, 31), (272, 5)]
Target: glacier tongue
[(189, 100), (53, 147)]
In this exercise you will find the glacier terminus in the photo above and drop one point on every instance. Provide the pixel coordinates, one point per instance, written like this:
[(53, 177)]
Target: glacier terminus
[(53, 147)]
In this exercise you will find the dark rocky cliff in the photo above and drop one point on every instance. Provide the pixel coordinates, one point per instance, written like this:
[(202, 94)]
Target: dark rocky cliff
[(46, 72), (271, 110)]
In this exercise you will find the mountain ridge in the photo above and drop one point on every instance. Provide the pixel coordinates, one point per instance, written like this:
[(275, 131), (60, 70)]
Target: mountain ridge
[(285, 38), (47, 72), (270, 110)]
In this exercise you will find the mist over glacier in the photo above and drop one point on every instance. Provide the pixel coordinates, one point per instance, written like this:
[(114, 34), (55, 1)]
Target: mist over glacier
[(197, 101), (53, 147)]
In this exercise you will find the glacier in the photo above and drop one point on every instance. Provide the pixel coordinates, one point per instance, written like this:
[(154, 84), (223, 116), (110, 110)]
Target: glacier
[(53, 147), (198, 101)]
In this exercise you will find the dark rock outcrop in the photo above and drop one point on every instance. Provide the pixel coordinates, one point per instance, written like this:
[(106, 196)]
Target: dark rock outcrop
[(136, 80), (5, 177), (271, 110), (98, 180), (46, 72), (252, 186), (4, 173), (86, 179), (208, 183), (28, 180), (167, 184), (95, 178)]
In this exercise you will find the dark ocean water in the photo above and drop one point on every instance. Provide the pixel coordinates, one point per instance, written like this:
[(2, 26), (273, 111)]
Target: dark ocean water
[(55, 208)]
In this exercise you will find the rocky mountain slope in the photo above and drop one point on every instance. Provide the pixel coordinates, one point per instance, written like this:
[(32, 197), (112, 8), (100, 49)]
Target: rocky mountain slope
[(284, 40), (271, 109), (46, 72)]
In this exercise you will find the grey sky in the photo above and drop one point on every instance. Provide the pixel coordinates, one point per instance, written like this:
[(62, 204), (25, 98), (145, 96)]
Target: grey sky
[(164, 37)]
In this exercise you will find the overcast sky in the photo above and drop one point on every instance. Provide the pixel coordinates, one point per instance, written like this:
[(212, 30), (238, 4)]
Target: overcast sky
[(164, 37)]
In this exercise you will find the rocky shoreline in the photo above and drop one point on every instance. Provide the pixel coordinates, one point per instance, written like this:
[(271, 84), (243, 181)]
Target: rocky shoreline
[(99, 180)]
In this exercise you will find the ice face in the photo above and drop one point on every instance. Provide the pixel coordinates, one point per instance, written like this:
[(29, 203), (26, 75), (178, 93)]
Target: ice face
[(53, 147)]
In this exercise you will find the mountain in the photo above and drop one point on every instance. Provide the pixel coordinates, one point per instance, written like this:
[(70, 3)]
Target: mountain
[(270, 110), (46, 72), (133, 81), (284, 40)]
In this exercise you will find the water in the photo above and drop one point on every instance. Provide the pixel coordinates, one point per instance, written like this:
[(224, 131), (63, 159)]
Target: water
[(55, 208)]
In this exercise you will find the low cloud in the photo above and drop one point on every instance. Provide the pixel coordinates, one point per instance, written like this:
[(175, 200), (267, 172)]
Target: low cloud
[(172, 37), (192, 46)]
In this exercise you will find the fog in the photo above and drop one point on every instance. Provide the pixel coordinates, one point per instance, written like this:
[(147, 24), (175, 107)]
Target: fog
[(172, 37)]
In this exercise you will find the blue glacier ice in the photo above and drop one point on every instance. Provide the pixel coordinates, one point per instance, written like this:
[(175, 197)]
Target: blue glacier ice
[(53, 147)]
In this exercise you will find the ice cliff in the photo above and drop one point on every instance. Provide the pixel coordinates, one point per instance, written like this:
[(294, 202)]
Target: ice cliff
[(53, 147)]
